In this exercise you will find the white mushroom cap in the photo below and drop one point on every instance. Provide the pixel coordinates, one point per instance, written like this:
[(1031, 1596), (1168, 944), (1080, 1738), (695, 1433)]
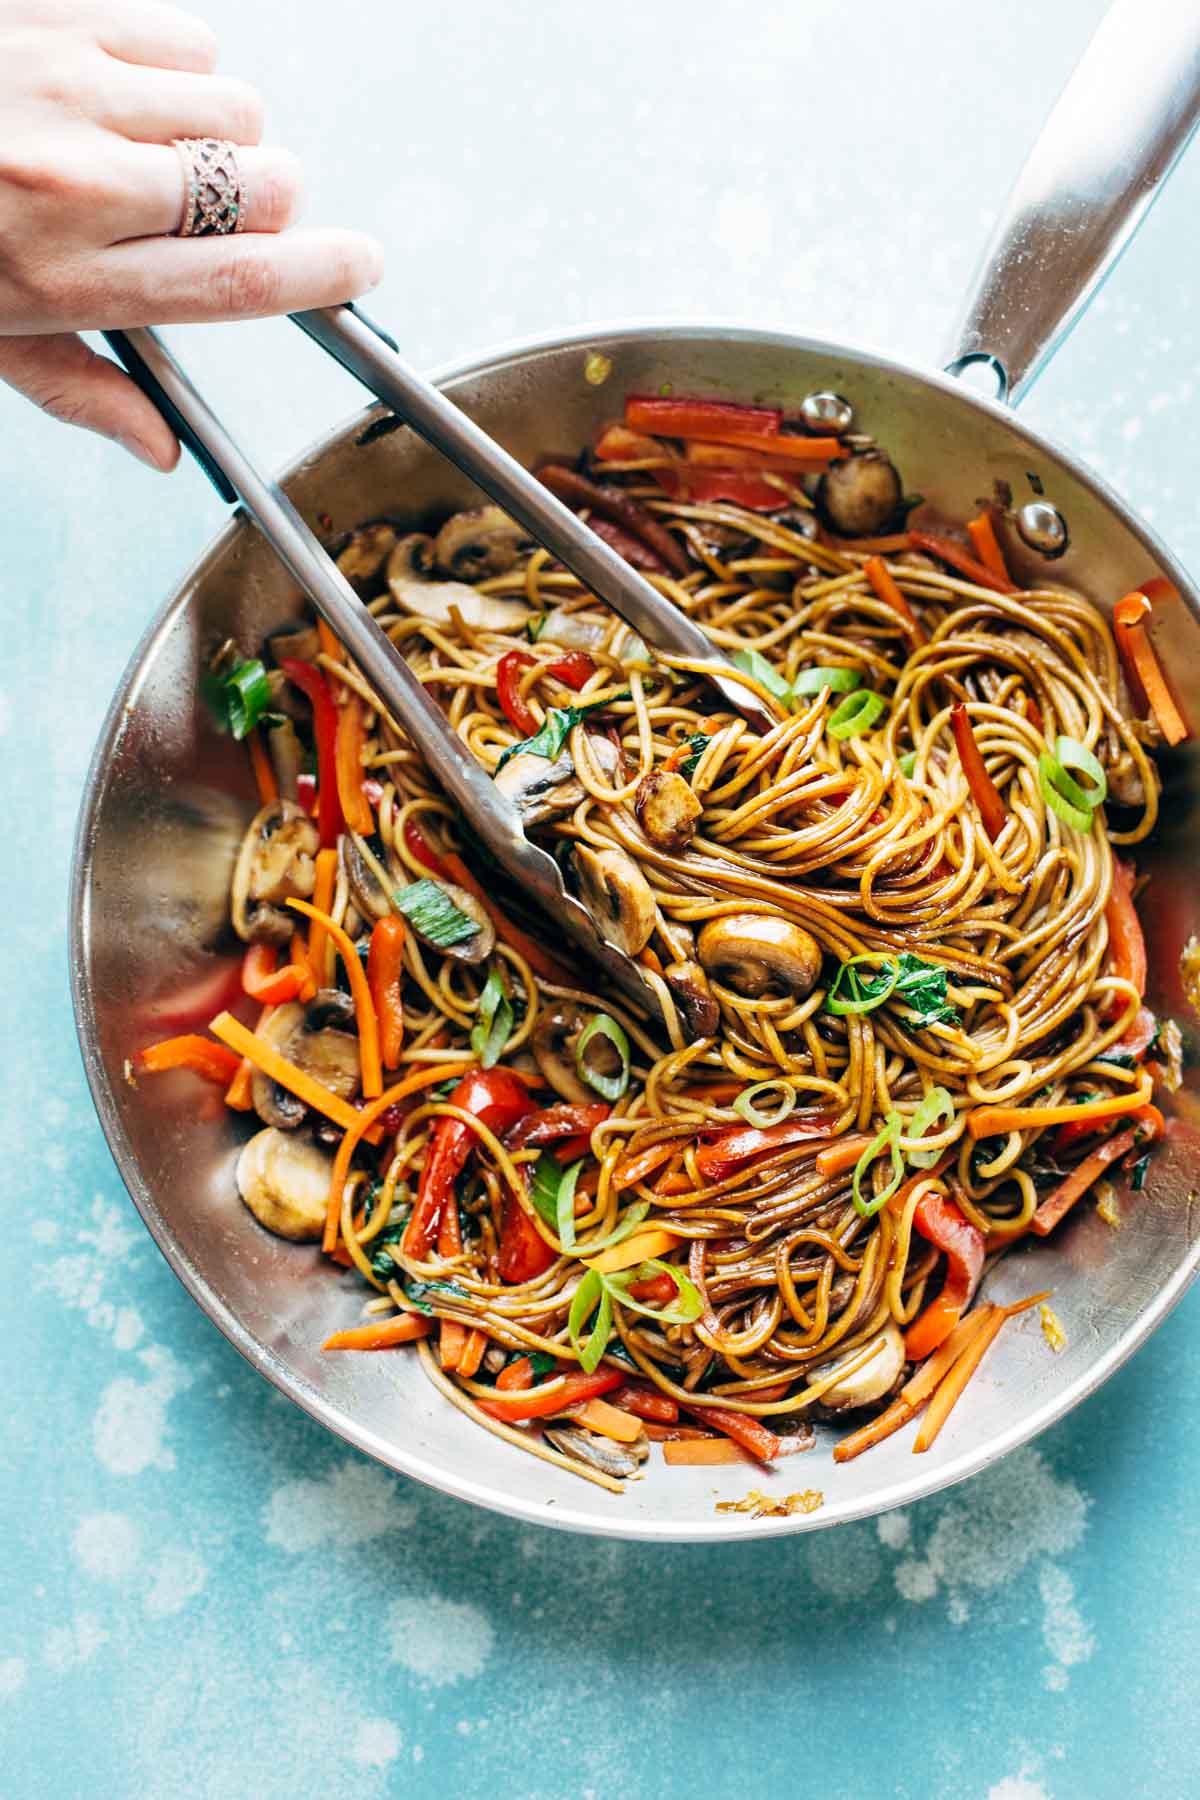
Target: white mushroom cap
[(285, 1183)]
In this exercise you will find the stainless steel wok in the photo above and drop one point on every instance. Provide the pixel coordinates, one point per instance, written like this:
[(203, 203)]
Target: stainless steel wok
[(167, 800)]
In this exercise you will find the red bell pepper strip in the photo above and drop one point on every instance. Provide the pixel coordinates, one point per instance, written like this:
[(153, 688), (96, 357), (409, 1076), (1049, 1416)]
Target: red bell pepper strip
[(385, 973), (660, 1290), (516, 1376), (508, 691), (309, 679), (646, 1403), (191, 1051), (956, 558), (804, 454), (739, 487), (749, 1432), (272, 986), (1149, 1125), (617, 443), (613, 503), (571, 1149), (420, 850), (698, 418), (731, 1150), (984, 791), (573, 669), (497, 1099), (1126, 944), (523, 1253), (552, 1123), (940, 1220), (518, 1405)]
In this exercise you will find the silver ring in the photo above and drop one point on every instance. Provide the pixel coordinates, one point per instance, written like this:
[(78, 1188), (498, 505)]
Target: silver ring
[(214, 202)]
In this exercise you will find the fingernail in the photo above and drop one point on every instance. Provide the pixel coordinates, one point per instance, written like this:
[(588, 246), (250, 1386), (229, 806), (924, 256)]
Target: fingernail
[(142, 451), (375, 263)]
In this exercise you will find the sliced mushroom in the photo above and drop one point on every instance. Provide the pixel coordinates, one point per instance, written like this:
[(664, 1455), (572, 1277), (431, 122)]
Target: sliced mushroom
[(371, 900), (539, 789), (555, 1035), (760, 953), (617, 895), (1125, 787), (577, 630), (871, 1381), (481, 542), (315, 1039), (275, 864), (601, 1453), (667, 809), (860, 496), (287, 757), (296, 643), (474, 949), (365, 554), (285, 1183), (694, 998), (408, 577)]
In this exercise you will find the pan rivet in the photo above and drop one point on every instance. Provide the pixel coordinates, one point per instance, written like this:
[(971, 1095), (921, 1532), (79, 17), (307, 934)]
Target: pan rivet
[(826, 414), (1043, 528)]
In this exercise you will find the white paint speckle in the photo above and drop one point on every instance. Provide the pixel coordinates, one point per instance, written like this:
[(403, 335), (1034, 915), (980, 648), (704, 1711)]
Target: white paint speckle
[(105, 1546), (12, 1675), (127, 1432), (439, 1641), (45, 1231), (916, 1580), (179, 1575), (1064, 1630), (845, 1563), (353, 1502), (128, 1329), (376, 1743), (894, 1529), (1018, 1787), (67, 1646)]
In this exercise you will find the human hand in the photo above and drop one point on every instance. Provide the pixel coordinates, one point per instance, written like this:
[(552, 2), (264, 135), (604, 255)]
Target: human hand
[(92, 93)]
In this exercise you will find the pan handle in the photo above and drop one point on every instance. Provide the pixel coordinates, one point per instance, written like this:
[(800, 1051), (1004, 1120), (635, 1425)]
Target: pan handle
[(1120, 124)]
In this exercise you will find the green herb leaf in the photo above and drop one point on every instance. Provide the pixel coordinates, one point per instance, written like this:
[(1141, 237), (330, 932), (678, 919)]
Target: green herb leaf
[(239, 696), (560, 722), (433, 914), (493, 1027), (698, 745), (591, 1296), (922, 986), (535, 624), (610, 1086), (417, 1292), (759, 669), (1138, 1176)]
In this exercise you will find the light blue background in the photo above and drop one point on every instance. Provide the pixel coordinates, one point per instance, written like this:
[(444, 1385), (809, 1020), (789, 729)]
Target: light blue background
[(201, 1592)]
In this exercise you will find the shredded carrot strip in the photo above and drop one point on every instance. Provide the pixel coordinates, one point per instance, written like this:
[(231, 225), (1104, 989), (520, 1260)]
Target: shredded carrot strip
[(951, 1390), (348, 749), (704, 1452), (952, 554), (837, 1157), (238, 1094), (233, 1033), (887, 590), (1130, 617), (636, 1168), (1058, 1204), (364, 1006), (189, 1051), (452, 1341), (638, 1248), (982, 533), (892, 545), (362, 1124), (539, 960), (649, 958), (608, 1420), (990, 1121), (330, 644), (928, 1377), (322, 899), (874, 1431), (675, 1181), (472, 1352), (403, 1330), (264, 774)]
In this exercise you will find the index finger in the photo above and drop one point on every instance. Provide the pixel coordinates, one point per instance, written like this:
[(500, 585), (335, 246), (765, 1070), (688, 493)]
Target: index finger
[(185, 281), (159, 36)]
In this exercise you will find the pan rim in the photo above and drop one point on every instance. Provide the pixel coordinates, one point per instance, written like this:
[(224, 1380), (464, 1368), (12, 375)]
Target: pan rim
[(727, 1528)]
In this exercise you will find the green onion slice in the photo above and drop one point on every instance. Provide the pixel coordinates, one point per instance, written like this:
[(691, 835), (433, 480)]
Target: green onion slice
[(857, 713), (543, 1188), (631, 1218), (591, 1295), (745, 1104), (751, 663), (850, 993), (493, 1027), (838, 681), (683, 1310), (936, 1106), (907, 764), (1073, 755), (868, 1206), (1052, 777), (432, 913), (610, 1086)]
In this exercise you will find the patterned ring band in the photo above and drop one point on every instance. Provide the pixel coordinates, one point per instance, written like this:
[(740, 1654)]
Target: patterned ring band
[(214, 201)]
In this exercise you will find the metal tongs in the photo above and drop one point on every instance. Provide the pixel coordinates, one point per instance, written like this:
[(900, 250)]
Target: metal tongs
[(371, 356)]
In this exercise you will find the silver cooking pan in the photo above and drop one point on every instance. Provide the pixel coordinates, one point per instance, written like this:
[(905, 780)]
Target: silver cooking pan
[(167, 800)]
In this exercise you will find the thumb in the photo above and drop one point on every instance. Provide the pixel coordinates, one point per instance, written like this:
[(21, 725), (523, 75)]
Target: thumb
[(70, 382)]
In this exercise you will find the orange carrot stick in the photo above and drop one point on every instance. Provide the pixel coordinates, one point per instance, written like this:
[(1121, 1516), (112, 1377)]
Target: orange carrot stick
[(842, 1154), (385, 973), (990, 1121), (703, 1452), (887, 589), (364, 1006), (947, 1396), (874, 1431), (264, 774), (233, 1033), (452, 1341), (330, 644), (1130, 618), (238, 1094), (1055, 1207), (322, 899), (956, 558), (405, 1329), (982, 533), (472, 1352), (349, 741)]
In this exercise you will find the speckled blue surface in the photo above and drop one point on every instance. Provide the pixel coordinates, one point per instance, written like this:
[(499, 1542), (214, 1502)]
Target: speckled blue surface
[(202, 1592)]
